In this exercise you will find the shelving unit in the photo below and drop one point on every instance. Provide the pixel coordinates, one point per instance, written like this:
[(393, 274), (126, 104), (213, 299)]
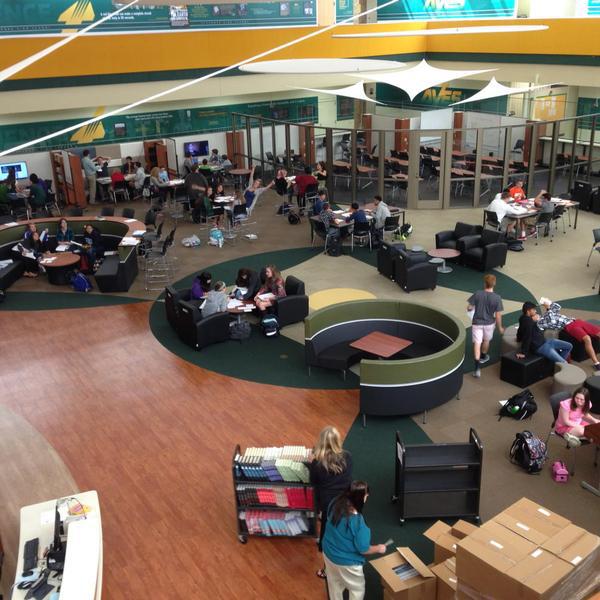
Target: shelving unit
[(438, 480), (268, 508)]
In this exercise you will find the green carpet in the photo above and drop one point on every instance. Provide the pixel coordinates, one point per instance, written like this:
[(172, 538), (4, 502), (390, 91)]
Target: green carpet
[(591, 303), (59, 300), (373, 454)]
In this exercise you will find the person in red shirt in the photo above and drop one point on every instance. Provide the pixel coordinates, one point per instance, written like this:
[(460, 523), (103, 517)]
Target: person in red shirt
[(517, 192), (302, 182), (116, 177)]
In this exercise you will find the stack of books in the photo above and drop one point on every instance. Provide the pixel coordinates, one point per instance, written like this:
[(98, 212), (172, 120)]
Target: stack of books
[(274, 523), (273, 464), (283, 497)]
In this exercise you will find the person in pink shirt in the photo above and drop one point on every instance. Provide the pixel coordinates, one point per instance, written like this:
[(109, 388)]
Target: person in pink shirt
[(573, 415)]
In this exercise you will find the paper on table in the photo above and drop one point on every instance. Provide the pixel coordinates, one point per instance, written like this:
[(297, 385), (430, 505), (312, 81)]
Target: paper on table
[(337, 212), (47, 261), (138, 232), (233, 303), (129, 241), (268, 296), (129, 220), (62, 247)]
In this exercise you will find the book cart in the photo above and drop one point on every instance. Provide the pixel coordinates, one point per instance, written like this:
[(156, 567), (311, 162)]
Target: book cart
[(273, 495), (438, 480)]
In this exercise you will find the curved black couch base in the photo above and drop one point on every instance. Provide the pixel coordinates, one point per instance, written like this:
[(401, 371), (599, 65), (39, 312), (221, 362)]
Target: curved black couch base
[(410, 399)]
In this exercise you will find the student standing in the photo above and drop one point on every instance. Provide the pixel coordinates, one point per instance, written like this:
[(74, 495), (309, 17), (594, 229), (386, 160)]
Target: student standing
[(330, 475), (487, 307), (346, 542)]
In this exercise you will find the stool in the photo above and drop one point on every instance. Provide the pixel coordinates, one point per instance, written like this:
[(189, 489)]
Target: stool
[(593, 385), (578, 353), (567, 378), (524, 372), (509, 339)]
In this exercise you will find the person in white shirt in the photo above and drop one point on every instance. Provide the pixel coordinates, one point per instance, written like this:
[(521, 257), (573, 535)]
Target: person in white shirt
[(500, 205), (214, 158), (382, 212), (140, 177)]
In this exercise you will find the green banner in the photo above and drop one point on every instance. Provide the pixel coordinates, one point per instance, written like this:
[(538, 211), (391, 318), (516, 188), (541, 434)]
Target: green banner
[(433, 10), (593, 8), (343, 9), (588, 106), (34, 17), (168, 123), (438, 97)]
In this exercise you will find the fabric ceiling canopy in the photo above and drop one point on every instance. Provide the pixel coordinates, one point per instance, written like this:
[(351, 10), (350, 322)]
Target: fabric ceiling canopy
[(421, 77), (356, 91), (494, 90)]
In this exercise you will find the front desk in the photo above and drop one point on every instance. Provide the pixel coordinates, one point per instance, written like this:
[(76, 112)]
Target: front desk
[(81, 578)]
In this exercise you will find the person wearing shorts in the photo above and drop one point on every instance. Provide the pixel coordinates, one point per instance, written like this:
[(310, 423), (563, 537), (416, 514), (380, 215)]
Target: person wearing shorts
[(582, 331), (487, 308)]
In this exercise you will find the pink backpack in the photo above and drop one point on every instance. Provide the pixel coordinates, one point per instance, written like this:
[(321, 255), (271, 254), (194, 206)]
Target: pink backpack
[(560, 473)]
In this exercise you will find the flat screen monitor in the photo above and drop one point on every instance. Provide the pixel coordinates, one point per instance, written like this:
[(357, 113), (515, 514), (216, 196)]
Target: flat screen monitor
[(20, 168), (196, 148)]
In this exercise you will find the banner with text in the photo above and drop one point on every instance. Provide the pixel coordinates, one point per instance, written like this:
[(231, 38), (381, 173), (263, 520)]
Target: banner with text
[(433, 10)]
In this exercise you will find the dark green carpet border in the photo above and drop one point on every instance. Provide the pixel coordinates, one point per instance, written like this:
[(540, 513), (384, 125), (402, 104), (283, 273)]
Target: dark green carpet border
[(61, 300), (591, 303)]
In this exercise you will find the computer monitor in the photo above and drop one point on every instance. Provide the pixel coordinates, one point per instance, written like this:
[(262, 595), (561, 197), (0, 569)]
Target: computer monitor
[(20, 168), (196, 148)]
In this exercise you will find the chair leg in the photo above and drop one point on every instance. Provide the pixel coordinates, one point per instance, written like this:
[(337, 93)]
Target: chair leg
[(590, 255), (344, 374)]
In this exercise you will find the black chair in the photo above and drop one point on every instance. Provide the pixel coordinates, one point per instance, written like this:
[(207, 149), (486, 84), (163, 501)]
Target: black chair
[(413, 271), (362, 233), (542, 223), (128, 213), (386, 258), (20, 209), (107, 211), (449, 239), (172, 298), (294, 307), (391, 224), (319, 230), (559, 214), (75, 211), (199, 332), (490, 218), (555, 401), (484, 251), (6, 219)]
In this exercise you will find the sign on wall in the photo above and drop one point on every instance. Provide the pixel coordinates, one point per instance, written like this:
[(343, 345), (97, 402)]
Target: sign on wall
[(432, 10), (593, 8), (32, 17), (167, 123), (549, 108), (343, 9), (588, 106)]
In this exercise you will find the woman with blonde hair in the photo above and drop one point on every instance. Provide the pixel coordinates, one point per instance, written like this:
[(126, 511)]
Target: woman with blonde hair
[(330, 475)]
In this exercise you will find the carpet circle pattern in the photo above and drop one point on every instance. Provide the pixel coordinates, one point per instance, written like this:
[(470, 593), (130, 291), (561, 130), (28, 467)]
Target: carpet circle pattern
[(336, 295)]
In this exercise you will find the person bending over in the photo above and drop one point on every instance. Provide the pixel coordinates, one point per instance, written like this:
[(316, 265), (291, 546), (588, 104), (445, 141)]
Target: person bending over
[(245, 284), (533, 341), (357, 214), (346, 542), (273, 285), (201, 285), (573, 414), (216, 300)]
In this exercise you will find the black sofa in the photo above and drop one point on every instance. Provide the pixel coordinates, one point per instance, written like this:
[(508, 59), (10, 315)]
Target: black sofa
[(199, 332), (413, 271), (450, 238), (484, 251), (116, 274), (294, 307), (386, 258), (172, 298)]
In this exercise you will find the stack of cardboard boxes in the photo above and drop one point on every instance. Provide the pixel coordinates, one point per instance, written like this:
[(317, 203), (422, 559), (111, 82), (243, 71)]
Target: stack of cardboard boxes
[(526, 551)]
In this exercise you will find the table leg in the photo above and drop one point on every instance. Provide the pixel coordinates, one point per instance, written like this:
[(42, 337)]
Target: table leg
[(590, 488), (576, 215), (444, 268)]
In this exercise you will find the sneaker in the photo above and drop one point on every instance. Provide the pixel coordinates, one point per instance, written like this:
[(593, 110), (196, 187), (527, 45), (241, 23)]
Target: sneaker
[(572, 440), (597, 367), (484, 358), (477, 373), (522, 237)]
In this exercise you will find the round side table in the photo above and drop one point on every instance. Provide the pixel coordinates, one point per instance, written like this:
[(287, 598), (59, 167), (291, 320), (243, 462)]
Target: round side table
[(439, 255)]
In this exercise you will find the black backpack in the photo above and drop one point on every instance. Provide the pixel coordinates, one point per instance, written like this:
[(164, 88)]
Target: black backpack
[(529, 452), (240, 330), (293, 218), (515, 245), (520, 406)]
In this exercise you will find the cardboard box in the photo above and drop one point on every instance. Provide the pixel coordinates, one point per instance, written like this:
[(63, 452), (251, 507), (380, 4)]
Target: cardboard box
[(445, 574), (531, 521), (419, 587), (573, 544), (484, 558), (445, 537)]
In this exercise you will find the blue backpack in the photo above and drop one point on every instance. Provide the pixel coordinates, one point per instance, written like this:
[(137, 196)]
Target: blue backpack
[(80, 283), (270, 325)]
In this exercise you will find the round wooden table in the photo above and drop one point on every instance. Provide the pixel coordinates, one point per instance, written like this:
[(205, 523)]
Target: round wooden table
[(440, 255), (239, 175), (61, 265)]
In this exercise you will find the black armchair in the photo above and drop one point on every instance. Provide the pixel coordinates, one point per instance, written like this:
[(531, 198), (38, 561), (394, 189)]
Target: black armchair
[(414, 271), (449, 239), (199, 332), (172, 298), (484, 251), (294, 307), (386, 258)]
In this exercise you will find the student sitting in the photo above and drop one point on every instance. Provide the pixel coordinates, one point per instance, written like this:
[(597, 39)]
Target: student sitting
[(319, 202), (63, 232), (357, 215), (201, 285), (93, 247), (32, 250), (37, 194), (273, 285), (216, 300), (159, 184), (29, 230), (246, 284), (533, 341), (572, 415)]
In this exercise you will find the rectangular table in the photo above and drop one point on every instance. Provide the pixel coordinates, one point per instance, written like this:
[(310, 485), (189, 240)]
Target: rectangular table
[(381, 344)]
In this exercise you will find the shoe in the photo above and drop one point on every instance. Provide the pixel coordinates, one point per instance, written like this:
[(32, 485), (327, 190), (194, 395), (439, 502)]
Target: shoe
[(484, 358), (572, 440), (522, 238), (597, 366), (477, 373), (321, 573)]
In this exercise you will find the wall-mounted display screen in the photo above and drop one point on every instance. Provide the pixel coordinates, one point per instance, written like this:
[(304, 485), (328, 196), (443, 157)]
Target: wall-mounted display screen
[(19, 167), (196, 148)]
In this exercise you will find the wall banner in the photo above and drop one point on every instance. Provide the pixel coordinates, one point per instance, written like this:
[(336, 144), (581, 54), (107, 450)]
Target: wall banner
[(433, 10)]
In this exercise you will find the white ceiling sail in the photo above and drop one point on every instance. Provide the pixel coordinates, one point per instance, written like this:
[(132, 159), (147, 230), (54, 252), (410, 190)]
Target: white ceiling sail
[(421, 77), (495, 90), (319, 66)]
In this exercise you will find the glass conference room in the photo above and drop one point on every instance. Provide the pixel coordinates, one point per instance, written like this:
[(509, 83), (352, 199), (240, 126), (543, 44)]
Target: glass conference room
[(427, 168)]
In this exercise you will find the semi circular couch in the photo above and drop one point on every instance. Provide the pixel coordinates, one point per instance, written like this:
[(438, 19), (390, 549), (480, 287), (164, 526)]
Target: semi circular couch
[(424, 376)]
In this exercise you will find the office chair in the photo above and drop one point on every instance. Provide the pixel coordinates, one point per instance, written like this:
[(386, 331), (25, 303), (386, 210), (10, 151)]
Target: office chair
[(543, 222), (559, 213), (75, 211), (119, 188), (361, 232), (491, 218), (596, 233), (128, 213), (107, 211)]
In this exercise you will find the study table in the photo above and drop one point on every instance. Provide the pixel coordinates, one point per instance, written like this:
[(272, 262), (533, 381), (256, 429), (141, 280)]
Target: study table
[(381, 344), (58, 265), (82, 575)]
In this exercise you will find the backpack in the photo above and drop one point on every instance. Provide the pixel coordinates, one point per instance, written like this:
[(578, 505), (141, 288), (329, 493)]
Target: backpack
[(80, 283), (239, 330), (515, 245), (215, 237), (528, 451), (293, 218), (334, 246), (560, 473), (270, 325), (520, 406)]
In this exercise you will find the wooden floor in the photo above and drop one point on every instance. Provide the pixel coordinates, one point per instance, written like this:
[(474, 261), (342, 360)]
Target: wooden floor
[(154, 435)]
